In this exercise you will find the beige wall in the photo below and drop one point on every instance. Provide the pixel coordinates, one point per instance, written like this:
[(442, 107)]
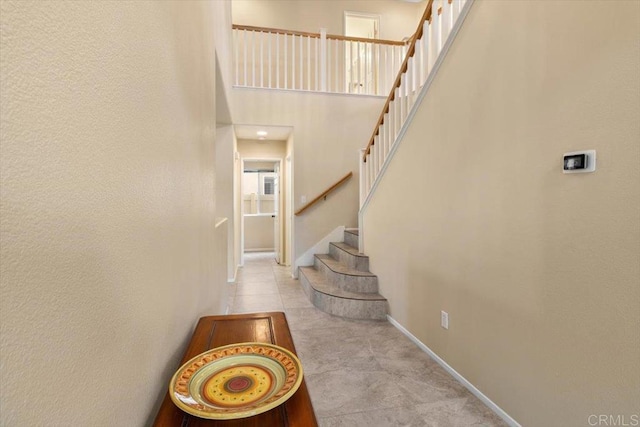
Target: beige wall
[(226, 146), (328, 132), (258, 233), (538, 270), (254, 149), (398, 19), (107, 207)]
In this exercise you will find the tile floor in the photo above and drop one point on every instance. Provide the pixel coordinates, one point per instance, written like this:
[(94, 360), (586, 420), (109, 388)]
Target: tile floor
[(359, 373)]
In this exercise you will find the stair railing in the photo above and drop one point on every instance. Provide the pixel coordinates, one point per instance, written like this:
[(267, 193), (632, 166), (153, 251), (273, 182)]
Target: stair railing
[(273, 58), (434, 29), (325, 193)]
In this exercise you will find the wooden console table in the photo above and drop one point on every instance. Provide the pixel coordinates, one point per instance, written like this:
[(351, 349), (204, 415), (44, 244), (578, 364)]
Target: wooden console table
[(216, 331)]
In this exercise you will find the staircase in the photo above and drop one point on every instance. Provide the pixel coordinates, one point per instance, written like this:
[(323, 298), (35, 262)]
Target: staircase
[(340, 283)]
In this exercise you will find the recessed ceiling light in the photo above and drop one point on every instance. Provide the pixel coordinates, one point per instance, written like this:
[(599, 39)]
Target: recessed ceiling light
[(262, 133)]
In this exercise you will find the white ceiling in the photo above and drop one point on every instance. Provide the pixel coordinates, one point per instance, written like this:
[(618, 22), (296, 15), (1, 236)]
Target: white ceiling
[(274, 133)]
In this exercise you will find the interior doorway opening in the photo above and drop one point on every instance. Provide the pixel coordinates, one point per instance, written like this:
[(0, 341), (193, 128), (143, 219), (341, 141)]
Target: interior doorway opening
[(360, 73), (262, 191), (261, 207)]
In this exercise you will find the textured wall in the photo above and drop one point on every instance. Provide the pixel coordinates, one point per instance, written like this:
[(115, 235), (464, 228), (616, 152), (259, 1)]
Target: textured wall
[(538, 270), (107, 207)]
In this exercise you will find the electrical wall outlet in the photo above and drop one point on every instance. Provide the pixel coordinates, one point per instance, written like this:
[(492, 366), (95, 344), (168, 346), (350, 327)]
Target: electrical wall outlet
[(303, 199), (444, 319)]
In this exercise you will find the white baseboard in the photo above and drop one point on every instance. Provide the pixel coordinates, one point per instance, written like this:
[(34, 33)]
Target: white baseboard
[(495, 408)]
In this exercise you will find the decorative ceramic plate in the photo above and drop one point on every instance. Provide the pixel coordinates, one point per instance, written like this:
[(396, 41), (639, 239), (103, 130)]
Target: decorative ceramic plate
[(236, 381)]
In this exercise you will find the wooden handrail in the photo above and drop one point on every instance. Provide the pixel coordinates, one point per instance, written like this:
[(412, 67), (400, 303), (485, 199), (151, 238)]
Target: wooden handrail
[(316, 35), (360, 39), (324, 193), (426, 16)]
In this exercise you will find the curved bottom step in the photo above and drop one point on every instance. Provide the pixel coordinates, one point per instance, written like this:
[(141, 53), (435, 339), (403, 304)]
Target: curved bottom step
[(333, 300)]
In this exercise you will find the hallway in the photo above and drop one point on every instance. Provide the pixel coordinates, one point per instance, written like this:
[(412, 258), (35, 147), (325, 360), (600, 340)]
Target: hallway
[(359, 373)]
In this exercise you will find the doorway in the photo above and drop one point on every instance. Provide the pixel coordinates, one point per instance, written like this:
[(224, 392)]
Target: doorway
[(261, 206), (360, 58), (273, 147)]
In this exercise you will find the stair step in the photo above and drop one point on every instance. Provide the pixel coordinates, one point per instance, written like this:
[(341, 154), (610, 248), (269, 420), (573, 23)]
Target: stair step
[(349, 256), (344, 277), (334, 300), (351, 237)]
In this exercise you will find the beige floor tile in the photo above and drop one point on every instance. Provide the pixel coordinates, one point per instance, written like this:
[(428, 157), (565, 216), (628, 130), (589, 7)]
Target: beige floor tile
[(359, 373)]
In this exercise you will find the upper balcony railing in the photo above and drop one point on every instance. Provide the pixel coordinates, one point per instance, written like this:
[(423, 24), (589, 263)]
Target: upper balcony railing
[(281, 59)]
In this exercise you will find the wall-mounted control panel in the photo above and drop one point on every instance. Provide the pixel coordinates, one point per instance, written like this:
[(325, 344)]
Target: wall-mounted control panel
[(579, 161)]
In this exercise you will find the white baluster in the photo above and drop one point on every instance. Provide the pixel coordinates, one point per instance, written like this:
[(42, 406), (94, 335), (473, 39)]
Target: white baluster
[(309, 63), (317, 62), (286, 65), (376, 156), (244, 51), (446, 20), (415, 70), (365, 50), (393, 70), (436, 24), (338, 80), (384, 129), (389, 130), (455, 12), (382, 138), (326, 68), (366, 174), (425, 50), (382, 59), (349, 66), (433, 42), (269, 38), (397, 113), (379, 156), (278, 60), (301, 64), (362, 176), (409, 89), (253, 59), (403, 97), (358, 68), (375, 69), (417, 59), (374, 163), (293, 61), (236, 53), (261, 64), (370, 170)]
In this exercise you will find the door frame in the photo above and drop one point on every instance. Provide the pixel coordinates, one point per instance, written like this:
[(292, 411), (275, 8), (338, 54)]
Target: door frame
[(348, 59), (281, 237), (349, 13)]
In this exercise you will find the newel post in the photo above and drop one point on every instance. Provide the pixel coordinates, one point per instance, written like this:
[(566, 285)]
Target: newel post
[(362, 176), (323, 59)]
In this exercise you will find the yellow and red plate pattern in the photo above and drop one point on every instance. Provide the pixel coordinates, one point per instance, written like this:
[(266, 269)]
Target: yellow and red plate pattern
[(236, 381)]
